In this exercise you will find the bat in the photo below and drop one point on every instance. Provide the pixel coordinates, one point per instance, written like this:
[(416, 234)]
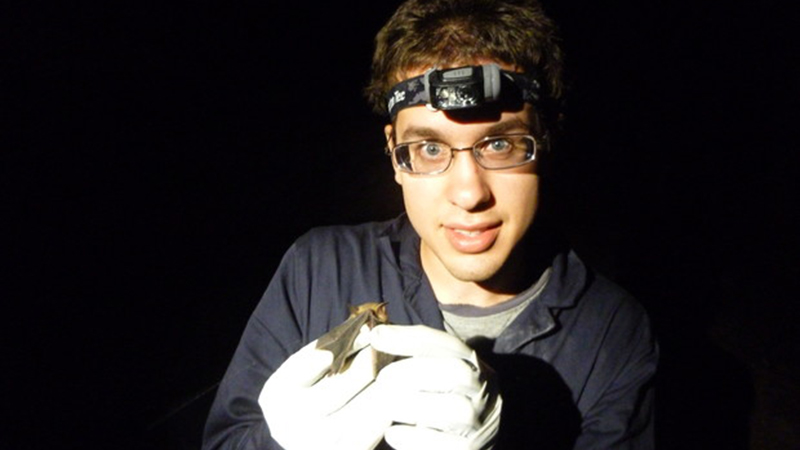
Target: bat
[(341, 339)]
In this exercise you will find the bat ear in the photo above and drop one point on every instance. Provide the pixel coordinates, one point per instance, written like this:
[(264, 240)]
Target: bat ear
[(353, 310), (381, 312)]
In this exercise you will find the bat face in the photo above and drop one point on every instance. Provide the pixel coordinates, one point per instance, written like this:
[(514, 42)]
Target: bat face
[(340, 340), (376, 312)]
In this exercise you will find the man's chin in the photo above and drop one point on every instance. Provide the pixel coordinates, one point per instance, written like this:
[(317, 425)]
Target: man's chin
[(473, 268)]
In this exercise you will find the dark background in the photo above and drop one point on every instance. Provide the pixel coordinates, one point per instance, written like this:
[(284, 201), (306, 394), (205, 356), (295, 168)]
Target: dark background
[(158, 159)]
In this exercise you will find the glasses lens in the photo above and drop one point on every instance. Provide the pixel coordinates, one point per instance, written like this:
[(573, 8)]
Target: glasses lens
[(402, 157), (505, 151), (423, 156)]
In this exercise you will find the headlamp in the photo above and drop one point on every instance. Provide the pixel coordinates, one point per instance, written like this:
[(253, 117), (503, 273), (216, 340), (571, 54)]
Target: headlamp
[(461, 88)]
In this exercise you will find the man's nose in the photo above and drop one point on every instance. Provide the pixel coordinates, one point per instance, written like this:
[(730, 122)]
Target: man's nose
[(466, 184)]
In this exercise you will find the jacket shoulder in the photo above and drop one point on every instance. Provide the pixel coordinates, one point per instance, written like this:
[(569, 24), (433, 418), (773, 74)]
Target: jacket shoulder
[(344, 235)]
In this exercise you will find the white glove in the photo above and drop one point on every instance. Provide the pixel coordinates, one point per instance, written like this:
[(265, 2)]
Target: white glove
[(305, 409), (438, 397)]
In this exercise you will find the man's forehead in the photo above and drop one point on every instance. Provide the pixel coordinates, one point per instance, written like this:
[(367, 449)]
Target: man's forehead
[(421, 123)]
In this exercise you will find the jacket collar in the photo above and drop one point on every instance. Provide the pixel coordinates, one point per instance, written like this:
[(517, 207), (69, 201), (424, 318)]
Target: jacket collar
[(568, 280), (402, 242)]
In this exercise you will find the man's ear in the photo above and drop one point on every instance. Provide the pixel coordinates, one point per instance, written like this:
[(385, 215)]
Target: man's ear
[(388, 132)]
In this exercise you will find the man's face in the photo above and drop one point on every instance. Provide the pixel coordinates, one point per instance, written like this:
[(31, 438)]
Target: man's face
[(469, 218)]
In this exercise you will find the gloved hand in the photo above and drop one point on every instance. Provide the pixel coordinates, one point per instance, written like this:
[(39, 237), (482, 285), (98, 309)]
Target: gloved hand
[(306, 409), (440, 397)]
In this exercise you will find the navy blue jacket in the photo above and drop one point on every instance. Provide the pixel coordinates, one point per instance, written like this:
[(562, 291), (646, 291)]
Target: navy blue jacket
[(575, 368)]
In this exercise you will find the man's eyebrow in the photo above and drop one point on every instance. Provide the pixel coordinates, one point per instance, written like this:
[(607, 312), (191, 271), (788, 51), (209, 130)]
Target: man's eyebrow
[(416, 133), (516, 125)]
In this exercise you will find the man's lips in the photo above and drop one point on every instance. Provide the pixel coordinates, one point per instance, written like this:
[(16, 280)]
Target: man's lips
[(472, 238)]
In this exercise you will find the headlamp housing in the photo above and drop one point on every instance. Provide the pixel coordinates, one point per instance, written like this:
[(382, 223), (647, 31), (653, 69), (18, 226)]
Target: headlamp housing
[(464, 87)]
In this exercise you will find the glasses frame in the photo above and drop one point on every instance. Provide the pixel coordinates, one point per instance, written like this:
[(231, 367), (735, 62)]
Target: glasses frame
[(474, 148)]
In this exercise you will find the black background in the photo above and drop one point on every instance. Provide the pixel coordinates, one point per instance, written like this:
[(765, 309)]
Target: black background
[(158, 159)]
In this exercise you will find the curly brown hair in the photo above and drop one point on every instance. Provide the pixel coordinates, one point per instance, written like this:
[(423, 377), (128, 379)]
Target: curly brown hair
[(424, 33)]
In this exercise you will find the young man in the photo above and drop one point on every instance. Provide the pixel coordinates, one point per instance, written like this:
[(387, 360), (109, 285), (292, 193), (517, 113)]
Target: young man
[(472, 89)]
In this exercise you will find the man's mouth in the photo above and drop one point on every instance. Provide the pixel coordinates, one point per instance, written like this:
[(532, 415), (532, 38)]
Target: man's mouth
[(472, 239)]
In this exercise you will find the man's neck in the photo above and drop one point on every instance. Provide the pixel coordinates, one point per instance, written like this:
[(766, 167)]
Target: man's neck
[(523, 268), (450, 290)]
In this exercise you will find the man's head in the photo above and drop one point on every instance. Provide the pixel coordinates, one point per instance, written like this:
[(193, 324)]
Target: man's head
[(451, 33), (469, 176)]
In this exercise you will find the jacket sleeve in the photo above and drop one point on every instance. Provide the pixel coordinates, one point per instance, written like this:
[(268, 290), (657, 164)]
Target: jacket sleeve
[(274, 331), (622, 414)]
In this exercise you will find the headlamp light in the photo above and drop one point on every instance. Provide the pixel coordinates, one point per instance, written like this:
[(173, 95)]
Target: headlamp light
[(461, 88)]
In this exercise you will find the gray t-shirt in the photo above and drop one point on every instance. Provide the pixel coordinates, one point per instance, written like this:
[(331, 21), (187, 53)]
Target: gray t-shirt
[(468, 321)]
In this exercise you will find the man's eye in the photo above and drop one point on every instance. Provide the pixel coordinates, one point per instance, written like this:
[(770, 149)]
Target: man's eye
[(431, 149), (499, 145)]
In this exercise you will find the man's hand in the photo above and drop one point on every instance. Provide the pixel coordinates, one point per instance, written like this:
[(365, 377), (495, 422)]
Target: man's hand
[(306, 409), (438, 397)]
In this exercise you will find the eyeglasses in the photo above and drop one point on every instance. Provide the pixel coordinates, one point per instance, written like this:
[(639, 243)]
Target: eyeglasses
[(429, 157)]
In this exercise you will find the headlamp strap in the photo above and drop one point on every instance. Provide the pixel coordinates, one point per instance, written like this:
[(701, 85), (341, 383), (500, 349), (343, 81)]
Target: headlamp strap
[(461, 88)]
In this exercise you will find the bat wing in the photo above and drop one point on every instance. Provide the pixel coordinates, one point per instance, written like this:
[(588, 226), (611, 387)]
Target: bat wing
[(340, 340)]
